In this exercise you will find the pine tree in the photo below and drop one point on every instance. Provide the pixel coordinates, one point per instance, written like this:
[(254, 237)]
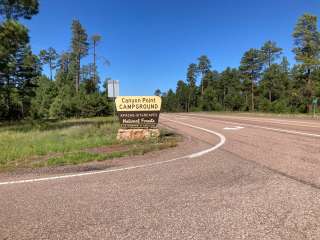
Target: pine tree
[(89, 78), (182, 94), (14, 40), (49, 57), (64, 62), (204, 67), (80, 47), (307, 50), (28, 69), (250, 67), (157, 92), (191, 80), (45, 94), (169, 101), (270, 52), (16, 68), (229, 89), (15, 9), (95, 40), (273, 81)]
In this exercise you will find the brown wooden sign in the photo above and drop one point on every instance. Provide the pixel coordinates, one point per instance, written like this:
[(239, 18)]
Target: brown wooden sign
[(138, 112)]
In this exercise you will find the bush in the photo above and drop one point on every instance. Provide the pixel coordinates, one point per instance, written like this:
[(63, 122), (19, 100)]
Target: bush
[(195, 109), (81, 105), (93, 105), (264, 105), (280, 106), (57, 109), (209, 101)]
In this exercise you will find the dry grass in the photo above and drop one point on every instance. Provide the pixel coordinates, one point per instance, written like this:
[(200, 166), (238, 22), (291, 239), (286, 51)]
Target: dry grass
[(50, 143)]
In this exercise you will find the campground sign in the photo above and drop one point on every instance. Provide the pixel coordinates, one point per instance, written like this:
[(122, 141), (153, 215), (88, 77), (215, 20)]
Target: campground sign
[(138, 112)]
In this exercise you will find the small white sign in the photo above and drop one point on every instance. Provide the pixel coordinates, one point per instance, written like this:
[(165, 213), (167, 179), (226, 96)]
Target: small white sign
[(113, 88)]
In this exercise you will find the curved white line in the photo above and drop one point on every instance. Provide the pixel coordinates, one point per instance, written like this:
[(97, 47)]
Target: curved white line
[(198, 154), (193, 155)]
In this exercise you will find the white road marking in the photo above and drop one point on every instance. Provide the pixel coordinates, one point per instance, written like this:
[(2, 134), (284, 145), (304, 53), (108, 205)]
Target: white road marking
[(233, 128), (198, 154), (276, 121), (182, 118), (193, 155), (257, 126)]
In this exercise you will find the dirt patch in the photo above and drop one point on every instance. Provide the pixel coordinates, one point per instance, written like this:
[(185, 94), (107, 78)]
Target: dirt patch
[(108, 149)]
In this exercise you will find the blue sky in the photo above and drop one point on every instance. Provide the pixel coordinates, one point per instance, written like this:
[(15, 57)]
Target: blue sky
[(151, 42)]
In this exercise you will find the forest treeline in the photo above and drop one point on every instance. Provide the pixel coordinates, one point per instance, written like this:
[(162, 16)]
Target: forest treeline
[(264, 81), (71, 88)]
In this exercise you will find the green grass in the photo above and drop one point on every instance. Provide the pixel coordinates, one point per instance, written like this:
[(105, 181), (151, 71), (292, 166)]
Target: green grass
[(167, 140), (50, 143)]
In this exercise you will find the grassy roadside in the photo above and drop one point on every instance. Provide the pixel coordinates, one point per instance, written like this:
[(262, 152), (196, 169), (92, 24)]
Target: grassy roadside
[(52, 143)]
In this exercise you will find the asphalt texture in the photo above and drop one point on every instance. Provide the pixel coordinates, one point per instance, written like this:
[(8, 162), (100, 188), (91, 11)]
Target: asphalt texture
[(263, 182)]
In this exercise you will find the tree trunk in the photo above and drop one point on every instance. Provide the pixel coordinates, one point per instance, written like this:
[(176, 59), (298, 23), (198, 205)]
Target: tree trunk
[(22, 110), (269, 59), (78, 74), (188, 106), (8, 97), (309, 90), (50, 66), (202, 87), (94, 64), (246, 98), (224, 97), (270, 96), (252, 96)]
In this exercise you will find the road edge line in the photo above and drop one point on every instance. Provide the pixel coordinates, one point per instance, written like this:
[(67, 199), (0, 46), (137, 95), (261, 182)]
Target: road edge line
[(193, 155)]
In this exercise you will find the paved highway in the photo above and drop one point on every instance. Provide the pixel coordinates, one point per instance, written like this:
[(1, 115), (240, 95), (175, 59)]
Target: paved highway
[(232, 177)]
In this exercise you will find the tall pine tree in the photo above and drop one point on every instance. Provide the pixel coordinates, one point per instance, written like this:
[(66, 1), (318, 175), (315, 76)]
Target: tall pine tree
[(95, 41), (204, 66), (307, 50), (15, 9), (250, 67), (80, 48), (50, 58), (191, 80)]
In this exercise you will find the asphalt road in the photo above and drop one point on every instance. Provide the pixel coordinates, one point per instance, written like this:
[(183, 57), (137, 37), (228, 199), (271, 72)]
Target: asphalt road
[(231, 178)]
